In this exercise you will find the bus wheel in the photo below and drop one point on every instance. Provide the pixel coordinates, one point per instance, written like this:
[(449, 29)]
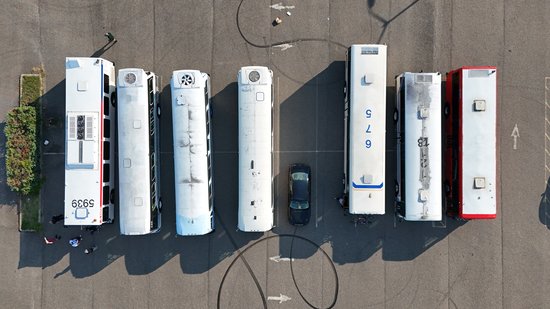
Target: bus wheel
[(112, 196), (446, 110), (158, 111), (113, 99), (396, 188), (447, 187), (395, 115)]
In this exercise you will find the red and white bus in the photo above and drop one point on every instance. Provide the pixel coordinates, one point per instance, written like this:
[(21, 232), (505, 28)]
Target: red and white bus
[(470, 151), (89, 141)]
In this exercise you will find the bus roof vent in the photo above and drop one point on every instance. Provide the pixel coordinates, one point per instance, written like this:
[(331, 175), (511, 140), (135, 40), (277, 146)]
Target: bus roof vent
[(130, 78), (254, 76), (187, 79), (423, 78)]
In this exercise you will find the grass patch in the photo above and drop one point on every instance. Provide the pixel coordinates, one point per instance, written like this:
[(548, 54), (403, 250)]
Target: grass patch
[(30, 213), (31, 90)]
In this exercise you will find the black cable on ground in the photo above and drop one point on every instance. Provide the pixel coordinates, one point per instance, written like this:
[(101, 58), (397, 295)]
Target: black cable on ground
[(240, 255), (286, 42), (282, 42), (331, 265), (293, 236)]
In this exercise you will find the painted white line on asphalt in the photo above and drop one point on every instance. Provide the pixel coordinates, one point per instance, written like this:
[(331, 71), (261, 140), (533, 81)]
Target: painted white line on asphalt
[(279, 6), (440, 224), (546, 134), (278, 212), (546, 127), (316, 149)]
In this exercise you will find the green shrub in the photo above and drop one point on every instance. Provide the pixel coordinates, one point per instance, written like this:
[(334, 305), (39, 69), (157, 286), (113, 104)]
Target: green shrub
[(30, 90), (21, 150)]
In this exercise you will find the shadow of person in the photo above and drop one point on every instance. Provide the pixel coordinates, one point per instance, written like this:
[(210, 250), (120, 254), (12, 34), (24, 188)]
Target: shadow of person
[(103, 49), (63, 271)]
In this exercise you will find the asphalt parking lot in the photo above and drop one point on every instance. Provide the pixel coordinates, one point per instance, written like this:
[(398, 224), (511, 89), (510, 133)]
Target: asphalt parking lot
[(501, 263)]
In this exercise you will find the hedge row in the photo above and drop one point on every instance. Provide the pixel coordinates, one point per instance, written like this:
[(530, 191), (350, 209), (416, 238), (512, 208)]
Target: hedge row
[(21, 150), (30, 90)]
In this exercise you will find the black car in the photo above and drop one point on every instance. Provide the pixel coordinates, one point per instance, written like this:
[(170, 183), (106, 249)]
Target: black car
[(299, 194)]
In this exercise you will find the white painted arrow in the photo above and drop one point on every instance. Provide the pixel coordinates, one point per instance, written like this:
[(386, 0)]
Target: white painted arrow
[(515, 135), (279, 6), (278, 259), (282, 298), (284, 46)]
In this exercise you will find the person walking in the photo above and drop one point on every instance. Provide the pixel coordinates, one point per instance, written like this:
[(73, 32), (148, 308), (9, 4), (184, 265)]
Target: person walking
[(57, 218), (110, 37), (75, 241), (51, 240), (92, 229), (91, 249)]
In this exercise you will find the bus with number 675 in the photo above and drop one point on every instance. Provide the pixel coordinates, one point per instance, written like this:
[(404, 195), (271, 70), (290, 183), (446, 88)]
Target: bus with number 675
[(365, 129)]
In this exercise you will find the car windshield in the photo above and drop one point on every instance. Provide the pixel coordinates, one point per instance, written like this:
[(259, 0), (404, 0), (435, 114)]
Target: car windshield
[(299, 204), (299, 176), (300, 186)]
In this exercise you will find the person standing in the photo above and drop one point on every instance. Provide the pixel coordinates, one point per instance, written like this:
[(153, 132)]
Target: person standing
[(91, 249), (92, 229), (57, 218), (110, 37), (75, 241), (51, 240)]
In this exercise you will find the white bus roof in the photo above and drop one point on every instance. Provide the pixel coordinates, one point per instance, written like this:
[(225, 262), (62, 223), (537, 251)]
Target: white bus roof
[(83, 161), (133, 152), (422, 116), (193, 215), (479, 114), (255, 130), (367, 93)]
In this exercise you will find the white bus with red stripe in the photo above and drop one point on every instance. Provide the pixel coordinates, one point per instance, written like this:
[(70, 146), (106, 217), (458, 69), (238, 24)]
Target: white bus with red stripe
[(365, 129), (470, 112), (418, 186), (138, 152), (89, 141)]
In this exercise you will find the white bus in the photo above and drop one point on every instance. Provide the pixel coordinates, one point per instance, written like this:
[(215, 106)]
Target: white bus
[(471, 182), (418, 187), (192, 152), (138, 152), (365, 129), (89, 141), (255, 149)]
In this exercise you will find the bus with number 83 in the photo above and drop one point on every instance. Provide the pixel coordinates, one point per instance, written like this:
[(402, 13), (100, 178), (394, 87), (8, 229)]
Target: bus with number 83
[(418, 187)]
